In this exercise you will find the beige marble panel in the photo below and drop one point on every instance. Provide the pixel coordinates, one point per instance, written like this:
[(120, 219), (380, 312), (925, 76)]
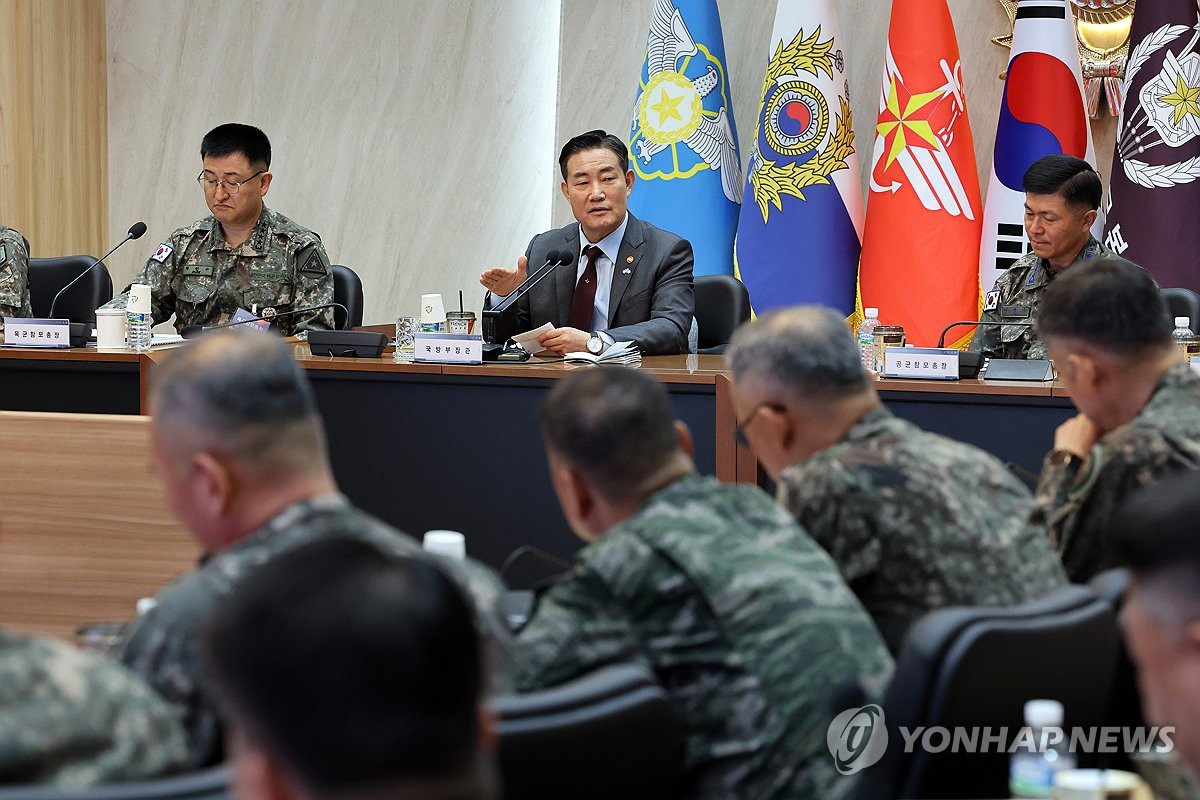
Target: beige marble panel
[(410, 135), (53, 132), (603, 45)]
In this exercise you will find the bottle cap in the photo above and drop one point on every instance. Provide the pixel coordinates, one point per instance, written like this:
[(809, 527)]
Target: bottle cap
[(1183, 322), (1043, 713), (871, 312)]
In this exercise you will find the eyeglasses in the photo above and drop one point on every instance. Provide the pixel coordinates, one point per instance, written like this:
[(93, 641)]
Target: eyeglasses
[(739, 430), (231, 187)]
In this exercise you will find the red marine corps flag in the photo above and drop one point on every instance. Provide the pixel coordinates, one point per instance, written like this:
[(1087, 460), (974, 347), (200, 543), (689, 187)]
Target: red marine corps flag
[(1154, 195), (921, 239)]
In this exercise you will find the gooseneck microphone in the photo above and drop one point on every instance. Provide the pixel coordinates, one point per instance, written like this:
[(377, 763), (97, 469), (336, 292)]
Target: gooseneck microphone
[(980, 323), (554, 260), (135, 232), (192, 331)]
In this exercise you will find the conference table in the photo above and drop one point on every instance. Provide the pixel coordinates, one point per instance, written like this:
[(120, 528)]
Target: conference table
[(440, 446)]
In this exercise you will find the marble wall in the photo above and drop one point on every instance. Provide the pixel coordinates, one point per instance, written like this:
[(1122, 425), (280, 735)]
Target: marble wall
[(419, 138), (403, 131), (53, 131)]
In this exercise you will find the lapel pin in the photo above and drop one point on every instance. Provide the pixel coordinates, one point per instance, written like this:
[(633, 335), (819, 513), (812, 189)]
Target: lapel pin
[(628, 259)]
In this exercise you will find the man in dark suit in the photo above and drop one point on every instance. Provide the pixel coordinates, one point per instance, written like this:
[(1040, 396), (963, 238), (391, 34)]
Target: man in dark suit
[(631, 281)]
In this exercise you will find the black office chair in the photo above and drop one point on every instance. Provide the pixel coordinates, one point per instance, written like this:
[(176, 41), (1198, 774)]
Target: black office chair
[(1184, 303), (974, 668), (611, 733), (208, 784), (1125, 703), (722, 303), (347, 290), (79, 303)]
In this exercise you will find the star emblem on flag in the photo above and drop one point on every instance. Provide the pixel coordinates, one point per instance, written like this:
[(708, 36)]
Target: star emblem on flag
[(906, 112)]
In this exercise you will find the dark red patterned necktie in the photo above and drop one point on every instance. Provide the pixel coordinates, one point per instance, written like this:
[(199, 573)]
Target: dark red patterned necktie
[(583, 302)]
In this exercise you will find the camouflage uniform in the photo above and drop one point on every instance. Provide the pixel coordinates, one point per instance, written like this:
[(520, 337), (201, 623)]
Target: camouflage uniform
[(1020, 289), (916, 521), (743, 619), (1075, 501), (166, 645), (14, 276), (72, 718), (199, 278)]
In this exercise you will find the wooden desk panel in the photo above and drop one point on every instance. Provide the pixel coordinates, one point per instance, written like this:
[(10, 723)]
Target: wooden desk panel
[(84, 529), (428, 445)]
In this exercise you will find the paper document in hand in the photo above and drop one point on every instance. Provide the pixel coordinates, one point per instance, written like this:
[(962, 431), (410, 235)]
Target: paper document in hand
[(529, 339), (626, 353)]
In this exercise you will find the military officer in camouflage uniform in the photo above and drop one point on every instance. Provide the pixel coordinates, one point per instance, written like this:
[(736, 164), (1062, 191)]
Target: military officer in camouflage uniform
[(743, 618), (1109, 332), (914, 521), (1062, 194), (74, 719), (384, 652), (14, 276), (244, 255), (238, 443)]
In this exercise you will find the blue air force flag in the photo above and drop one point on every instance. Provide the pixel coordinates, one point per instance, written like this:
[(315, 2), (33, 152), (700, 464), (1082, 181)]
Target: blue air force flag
[(682, 142), (800, 228)]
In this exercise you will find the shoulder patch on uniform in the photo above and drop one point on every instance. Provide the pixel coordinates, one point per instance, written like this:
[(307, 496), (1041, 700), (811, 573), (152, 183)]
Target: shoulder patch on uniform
[(991, 300), (314, 261), (3, 253), (163, 252)]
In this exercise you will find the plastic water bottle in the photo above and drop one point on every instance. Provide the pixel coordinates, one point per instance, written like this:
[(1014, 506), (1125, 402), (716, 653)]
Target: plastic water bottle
[(139, 335), (1185, 340), (1032, 768), (866, 337)]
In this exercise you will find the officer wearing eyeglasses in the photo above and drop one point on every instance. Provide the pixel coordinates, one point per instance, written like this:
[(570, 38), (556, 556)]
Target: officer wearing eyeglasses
[(242, 256)]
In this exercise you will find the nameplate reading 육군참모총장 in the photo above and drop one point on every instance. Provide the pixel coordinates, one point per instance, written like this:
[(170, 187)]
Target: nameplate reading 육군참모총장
[(26, 332)]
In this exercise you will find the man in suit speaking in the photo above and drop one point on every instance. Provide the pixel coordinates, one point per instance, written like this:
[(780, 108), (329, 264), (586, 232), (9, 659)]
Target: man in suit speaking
[(631, 281)]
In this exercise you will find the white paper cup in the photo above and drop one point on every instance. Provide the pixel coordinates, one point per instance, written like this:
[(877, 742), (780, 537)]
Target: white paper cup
[(110, 329), (139, 299), (450, 544), (1090, 784), (433, 311)]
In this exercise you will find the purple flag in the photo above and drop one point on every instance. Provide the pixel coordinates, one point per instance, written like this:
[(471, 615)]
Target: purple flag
[(1154, 196)]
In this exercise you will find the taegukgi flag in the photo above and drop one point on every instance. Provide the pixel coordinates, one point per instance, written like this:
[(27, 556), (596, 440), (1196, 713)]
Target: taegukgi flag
[(1042, 112), (1154, 194), (921, 243), (800, 227), (682, 141)]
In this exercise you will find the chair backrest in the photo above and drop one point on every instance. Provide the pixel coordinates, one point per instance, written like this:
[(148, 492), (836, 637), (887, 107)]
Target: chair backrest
[(1184, 303), (208, 784), (79, 303), (973, 669), (722, 303), (347, 290), (1125, 703), (611, 733)]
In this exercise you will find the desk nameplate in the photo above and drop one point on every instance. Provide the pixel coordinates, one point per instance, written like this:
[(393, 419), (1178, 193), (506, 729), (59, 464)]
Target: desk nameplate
[(44, 333)]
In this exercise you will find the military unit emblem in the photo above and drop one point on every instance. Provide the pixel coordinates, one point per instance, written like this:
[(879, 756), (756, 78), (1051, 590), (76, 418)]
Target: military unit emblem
[(681, 121)]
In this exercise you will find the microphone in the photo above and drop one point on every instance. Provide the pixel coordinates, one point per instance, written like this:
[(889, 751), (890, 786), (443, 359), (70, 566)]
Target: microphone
[(1010, 369), (192, 331), (135, 232), (554, 260), (976, 322)]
